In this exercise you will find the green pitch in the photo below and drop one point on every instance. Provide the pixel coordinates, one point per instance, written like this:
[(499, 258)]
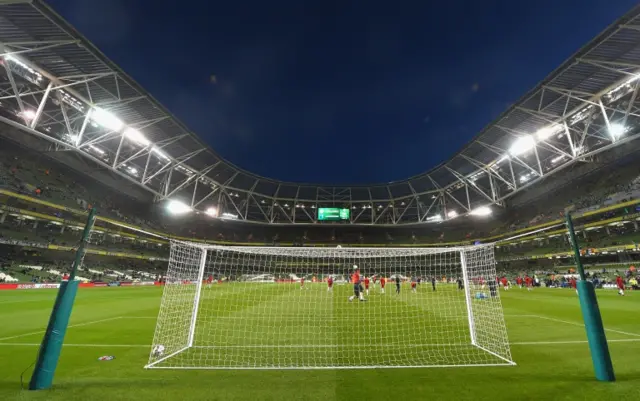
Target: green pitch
[(545, 330), (284, 326)]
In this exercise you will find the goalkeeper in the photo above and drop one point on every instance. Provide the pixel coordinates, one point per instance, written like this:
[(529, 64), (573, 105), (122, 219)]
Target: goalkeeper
[(357, 287)]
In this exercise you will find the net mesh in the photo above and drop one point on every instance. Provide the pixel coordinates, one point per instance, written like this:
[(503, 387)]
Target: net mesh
[(299, 308)]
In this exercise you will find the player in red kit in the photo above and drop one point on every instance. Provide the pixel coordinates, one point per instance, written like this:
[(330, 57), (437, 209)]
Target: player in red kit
[(528, 282), (574, 284), (209, 280), (519, 281), (330, 284), (414, 282), (383, 281), (366, 285), (505, 283), (302, 283), (357, 288), (620, 283)]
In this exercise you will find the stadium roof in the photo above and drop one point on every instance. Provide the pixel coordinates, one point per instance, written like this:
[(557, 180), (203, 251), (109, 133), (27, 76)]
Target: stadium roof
[(58, 86)]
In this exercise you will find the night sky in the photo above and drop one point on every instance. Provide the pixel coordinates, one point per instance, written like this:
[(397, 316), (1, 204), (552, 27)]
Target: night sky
[(339, 92)]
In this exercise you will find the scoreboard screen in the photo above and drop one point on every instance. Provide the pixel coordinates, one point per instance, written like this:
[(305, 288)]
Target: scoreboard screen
[(333, 214)]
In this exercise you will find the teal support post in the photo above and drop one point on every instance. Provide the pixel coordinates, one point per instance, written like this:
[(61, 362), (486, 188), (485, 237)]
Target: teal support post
[(595, 332), (54, 337), (51, 346), (592, 318)]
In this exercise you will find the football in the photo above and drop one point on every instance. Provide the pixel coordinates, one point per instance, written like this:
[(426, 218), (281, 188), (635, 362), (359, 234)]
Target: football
[(158, 350)]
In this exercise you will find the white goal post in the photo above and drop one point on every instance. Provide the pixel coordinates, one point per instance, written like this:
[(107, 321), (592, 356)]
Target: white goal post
[(280, 308)]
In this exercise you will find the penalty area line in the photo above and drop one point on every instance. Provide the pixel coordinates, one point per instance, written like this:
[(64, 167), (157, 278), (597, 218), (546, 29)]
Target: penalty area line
[(626, 333), (560, 342), (624, 340), (70, 326), (80, 345), (78, 325)]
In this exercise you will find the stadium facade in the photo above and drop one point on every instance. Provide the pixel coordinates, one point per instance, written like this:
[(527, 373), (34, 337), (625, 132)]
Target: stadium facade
[(84, 110)]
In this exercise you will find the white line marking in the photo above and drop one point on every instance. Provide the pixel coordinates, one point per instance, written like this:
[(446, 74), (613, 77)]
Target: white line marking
[(491, 365), (73, 325), (25, 301), (577, 324), (626, 340), (292, 346), (83, 345), (561, 342)]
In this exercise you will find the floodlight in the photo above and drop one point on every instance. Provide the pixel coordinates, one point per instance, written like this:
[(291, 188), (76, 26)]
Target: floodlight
[(160, 153), (28, 114), (452, 214), (212, 211), (616, 130), (97, 149), (481, 211), (106, 119), (436, 217), (522, 145), (546, 132), (177, 207), (136, 136)]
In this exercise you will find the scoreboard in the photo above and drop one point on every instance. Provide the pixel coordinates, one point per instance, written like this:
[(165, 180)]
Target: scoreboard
[(333, 214)]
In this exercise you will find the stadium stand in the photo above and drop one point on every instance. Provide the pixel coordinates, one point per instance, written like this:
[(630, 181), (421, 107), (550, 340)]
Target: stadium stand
[(50, 196)]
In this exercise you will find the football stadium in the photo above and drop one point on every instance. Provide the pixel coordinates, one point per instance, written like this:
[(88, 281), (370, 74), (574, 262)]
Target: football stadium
[(137, 263)]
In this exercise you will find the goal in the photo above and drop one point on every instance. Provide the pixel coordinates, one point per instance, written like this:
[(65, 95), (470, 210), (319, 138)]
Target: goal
[(273, 308)]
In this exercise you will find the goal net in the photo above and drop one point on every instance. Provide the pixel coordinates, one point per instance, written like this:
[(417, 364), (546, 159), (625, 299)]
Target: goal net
[(298, 308)]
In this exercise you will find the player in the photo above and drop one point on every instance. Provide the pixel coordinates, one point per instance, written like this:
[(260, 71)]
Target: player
[(330, 284), (433, 283), (460, 284), (366, 285), (383, 282), (397, 284), (505, 283), (493, 288), (302, 287), (519, 282), (357, 287), (209, 281), (620, 283), (528, 281), (574, 284), (414, 282)]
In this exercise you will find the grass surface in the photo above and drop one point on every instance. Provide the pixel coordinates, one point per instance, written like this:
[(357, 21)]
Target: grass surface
[(544, 326), (269, 325)]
